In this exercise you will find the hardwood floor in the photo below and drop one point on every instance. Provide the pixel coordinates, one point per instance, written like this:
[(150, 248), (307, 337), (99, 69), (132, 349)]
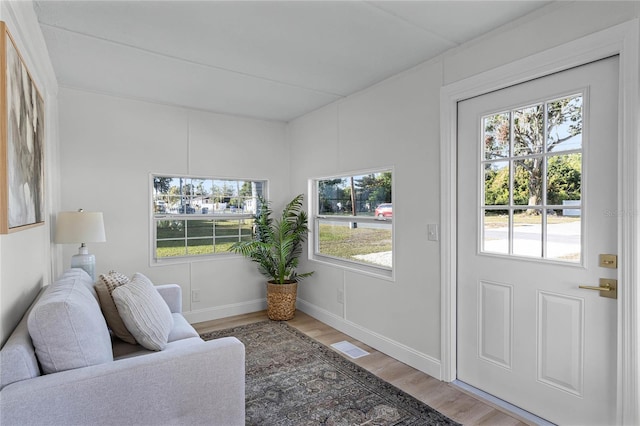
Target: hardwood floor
[(444, 397)]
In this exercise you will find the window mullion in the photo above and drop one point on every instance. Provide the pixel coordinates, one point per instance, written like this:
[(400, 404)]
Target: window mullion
[(511, 178), (544, 202)]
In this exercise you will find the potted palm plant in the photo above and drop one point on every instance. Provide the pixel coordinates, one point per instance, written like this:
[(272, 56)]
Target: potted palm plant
[(276, 247)]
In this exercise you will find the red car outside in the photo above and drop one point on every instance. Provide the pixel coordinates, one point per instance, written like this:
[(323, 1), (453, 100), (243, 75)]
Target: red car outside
[(384, 211)]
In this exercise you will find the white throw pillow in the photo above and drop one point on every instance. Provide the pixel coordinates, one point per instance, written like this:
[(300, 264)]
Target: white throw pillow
[(144, 312)]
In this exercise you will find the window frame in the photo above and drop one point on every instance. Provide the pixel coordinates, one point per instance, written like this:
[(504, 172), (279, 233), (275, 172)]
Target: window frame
[(315, 218), (155, 217), (511, 159)]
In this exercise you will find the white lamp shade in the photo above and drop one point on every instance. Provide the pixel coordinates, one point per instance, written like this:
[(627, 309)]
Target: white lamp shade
[(80, 227)]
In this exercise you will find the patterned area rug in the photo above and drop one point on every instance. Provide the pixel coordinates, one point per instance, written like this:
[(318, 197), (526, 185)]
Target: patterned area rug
[(292, 379)]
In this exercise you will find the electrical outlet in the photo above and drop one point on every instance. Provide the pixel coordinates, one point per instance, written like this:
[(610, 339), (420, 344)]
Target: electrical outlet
[(340, 295), (195, 296)]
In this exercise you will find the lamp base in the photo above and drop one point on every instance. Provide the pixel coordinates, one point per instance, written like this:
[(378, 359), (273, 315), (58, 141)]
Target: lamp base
[(84, 260)]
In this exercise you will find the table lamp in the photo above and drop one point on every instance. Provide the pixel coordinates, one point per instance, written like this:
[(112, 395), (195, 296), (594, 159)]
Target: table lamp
[(81, 227)]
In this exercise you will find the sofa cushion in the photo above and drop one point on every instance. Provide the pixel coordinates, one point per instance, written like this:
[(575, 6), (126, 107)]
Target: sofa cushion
[(104, 287), (84, 277), (122, 350), (67, 327), (181, 329), (18, 358), (144, 312)]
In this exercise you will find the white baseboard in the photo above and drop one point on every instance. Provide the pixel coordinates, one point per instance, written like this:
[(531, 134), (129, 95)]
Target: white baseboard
[(208, 314), (403, 353)]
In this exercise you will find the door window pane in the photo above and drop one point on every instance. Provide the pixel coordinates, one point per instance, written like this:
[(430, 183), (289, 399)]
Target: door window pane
[(527, 182), (564, 179), (527, 232), (564, 124), (496, 136), (528, 130), (496, 183), (495, 232), (564, 235)]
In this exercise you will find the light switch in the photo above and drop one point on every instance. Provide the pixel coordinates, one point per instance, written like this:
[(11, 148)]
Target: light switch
[(433, 232)]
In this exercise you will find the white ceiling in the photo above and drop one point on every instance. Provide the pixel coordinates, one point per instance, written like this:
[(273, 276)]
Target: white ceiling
[(274, 60)]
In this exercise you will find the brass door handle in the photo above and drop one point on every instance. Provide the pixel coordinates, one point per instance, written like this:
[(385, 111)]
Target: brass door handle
[(592, 287), (608, 288)]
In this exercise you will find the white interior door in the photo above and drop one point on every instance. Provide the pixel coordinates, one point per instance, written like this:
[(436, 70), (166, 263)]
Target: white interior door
[(537, 197)]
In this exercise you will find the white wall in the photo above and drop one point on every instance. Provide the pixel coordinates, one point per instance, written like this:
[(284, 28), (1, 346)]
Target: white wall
[(110, 145), (109, 148), (396, 123), (386, 126), (26, 256)]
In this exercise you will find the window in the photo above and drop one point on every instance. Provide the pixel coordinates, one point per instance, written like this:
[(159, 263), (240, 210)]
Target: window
[(353, 221), (201, 216), (531, 202)]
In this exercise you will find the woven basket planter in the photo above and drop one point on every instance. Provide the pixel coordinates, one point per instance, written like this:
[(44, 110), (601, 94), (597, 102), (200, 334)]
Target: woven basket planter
[(281, 301)]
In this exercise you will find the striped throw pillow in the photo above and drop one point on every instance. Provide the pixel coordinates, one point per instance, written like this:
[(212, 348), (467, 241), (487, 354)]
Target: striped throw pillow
[(144, 312)]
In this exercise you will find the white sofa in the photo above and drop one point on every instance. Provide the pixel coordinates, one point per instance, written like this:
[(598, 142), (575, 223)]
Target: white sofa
[(189, 382)]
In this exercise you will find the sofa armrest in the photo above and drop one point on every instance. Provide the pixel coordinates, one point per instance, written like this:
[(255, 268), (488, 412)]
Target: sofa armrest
[(172, 294), (199, 383)]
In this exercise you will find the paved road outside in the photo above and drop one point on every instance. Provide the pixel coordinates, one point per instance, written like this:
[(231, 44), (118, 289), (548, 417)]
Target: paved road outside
[(563, 240)]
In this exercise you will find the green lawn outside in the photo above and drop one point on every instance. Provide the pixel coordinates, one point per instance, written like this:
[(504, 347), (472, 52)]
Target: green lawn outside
[(171, 236), (335, 240), (502, 220), (343, 242)]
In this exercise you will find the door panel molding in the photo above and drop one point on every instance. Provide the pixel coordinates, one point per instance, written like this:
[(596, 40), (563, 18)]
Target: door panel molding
[(495, 322), (622, 40), (561, 341)]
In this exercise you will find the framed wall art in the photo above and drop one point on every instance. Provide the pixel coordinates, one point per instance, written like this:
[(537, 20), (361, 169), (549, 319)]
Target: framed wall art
[(21, 142)]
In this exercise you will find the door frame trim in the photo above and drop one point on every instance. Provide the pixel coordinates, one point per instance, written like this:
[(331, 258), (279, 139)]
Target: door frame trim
[(622, 40)]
